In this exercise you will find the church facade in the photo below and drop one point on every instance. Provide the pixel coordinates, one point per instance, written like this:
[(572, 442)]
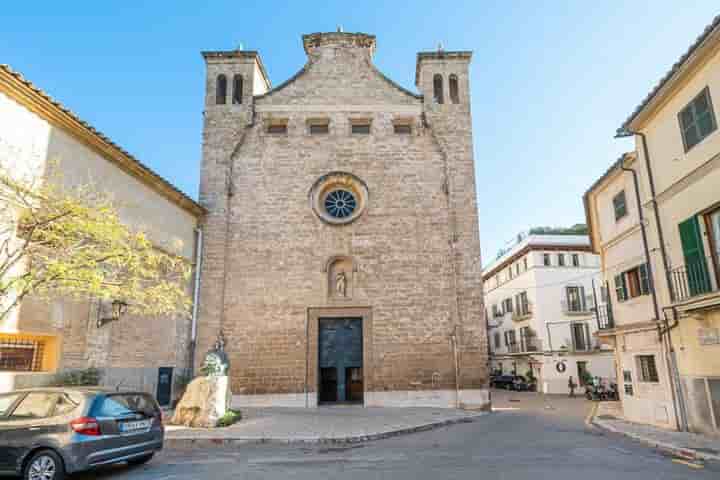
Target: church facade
[(341, 248)]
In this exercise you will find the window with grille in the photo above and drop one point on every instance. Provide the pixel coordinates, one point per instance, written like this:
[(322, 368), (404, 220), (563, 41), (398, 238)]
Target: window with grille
[(361, 128), (277, 128), (647, 368), (20, 355), (697, 120), (319, 129), (402, 129)]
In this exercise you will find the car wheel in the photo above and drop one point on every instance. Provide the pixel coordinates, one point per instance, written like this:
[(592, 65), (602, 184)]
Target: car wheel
[(140, 460), (44, 465)]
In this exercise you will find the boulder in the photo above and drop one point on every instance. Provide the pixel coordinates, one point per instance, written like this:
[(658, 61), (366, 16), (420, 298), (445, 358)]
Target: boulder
[(205, 400)]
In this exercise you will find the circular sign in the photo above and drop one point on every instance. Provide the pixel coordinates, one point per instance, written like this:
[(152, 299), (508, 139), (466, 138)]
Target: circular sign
[(560, 367)]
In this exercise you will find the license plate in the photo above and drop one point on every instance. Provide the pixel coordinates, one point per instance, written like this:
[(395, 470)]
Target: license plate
[(135, 426)]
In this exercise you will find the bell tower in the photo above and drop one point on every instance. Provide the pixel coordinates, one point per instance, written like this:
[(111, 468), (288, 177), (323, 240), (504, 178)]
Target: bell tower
[(443, 79)]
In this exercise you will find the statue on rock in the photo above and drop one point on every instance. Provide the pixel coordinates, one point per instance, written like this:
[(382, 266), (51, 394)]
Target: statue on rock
[(207, 397)]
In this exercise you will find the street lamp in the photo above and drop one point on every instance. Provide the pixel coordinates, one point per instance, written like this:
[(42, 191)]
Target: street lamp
[(118, 308)]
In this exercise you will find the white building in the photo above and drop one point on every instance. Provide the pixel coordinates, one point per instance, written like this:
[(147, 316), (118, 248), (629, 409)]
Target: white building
[(541, 296)]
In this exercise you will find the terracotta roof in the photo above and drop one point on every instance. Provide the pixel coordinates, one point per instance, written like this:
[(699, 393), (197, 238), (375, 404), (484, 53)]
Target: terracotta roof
[(715, 24), (121, 157)]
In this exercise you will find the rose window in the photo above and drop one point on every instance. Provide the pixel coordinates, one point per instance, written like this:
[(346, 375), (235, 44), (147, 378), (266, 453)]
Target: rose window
[(340, 203)]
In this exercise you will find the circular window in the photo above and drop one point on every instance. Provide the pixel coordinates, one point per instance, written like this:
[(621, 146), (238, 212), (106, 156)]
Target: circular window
[(338, 197), (340, 203)]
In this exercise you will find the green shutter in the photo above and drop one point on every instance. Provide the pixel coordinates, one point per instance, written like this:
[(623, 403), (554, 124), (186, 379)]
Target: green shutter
[(644, 279), (620, 287), (696, 271)]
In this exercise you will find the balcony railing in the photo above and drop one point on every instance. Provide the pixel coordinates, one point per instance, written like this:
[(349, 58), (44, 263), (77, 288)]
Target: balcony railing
[(586, 345), (578, 307), (527, 345), (692, 279), (523, 314), (605, 319)]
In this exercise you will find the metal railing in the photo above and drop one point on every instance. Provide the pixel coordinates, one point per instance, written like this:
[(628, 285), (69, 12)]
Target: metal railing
[(21, 355), (583, 306), (524, 313), (692, 279), (527, 345)]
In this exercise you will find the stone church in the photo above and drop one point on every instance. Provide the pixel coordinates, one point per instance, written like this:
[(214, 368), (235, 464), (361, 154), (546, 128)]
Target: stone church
[(342, 254)]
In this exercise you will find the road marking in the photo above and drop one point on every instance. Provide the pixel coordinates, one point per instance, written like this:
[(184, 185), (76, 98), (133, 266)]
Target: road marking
[(591, 415), (687, 463), (323, 459)]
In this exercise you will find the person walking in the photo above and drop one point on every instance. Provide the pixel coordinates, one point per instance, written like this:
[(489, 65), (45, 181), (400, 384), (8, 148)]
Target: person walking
[(572, 385)]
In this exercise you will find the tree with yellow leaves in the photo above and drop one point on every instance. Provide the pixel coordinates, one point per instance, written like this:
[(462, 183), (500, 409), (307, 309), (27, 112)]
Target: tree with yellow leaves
[(58, 242)]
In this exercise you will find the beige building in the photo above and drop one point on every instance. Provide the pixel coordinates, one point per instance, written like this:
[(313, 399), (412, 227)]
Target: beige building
[(343, 254), (678, 168), (39, 339)]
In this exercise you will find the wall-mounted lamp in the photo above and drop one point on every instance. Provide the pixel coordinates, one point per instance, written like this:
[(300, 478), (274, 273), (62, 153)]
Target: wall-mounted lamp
[(118, 308)]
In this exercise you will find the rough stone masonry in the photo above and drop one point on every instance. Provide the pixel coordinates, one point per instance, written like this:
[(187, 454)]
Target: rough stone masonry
[(342, 253)]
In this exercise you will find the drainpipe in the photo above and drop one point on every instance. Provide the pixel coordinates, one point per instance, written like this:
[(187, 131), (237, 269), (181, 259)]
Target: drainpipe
[(656, 307), (673, 373), (196, 296), (453, 340)]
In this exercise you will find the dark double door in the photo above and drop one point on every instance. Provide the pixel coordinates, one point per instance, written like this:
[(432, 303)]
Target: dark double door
[(340, 360)]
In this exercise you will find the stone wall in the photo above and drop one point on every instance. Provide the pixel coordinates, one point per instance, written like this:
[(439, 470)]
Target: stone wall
[(414, 251)]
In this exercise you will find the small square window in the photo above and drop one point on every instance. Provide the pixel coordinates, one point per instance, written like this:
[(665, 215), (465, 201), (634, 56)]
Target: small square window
[(619, 205), (360, 128), (697, 120), (402, 129), (319, 128), (277, 129)]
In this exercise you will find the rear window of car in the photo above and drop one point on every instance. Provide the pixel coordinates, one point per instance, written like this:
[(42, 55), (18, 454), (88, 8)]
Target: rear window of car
[(121, 405), (35, 405), (7, 401)]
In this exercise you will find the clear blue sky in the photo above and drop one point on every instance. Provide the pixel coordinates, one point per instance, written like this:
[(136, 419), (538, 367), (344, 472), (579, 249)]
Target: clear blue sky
[(551, 81)]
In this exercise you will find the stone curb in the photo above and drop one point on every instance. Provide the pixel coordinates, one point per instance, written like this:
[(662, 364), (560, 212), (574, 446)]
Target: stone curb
[(208, 441), (682, 452)]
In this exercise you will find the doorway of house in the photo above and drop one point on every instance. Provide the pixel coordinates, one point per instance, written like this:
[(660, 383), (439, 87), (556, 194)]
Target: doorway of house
[(340, 355), (164, 386), (582, 372)]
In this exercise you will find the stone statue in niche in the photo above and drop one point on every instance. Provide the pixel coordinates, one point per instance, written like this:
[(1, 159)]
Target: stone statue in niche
[(339, 272), (340, 284)]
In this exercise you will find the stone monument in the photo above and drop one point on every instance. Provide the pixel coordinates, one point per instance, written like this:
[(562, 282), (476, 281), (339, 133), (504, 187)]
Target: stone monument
[(207, 397)]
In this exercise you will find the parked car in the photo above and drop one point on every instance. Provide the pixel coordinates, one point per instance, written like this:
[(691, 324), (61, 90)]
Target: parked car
[(49, 432), (509, 382)]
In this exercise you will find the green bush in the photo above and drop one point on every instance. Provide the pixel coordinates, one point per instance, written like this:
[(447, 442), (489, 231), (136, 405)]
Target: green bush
[(230, 417), (88, 377)]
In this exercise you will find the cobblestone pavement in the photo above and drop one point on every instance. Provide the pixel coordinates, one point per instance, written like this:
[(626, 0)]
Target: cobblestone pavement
[(683, 443), (529, 437), (341, 423)]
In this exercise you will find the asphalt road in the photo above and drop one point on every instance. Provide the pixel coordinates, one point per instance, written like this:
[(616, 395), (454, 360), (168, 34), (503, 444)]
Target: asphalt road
[(528, 437)]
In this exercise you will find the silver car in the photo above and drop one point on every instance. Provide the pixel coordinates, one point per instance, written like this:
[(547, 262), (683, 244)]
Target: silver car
[(46, 433)]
